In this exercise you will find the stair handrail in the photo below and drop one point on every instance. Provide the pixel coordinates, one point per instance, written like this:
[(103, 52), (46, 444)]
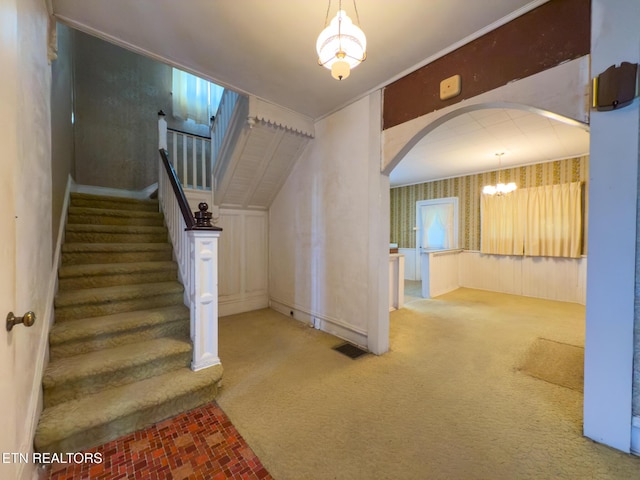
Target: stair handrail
[(195, 246), (183, 204)]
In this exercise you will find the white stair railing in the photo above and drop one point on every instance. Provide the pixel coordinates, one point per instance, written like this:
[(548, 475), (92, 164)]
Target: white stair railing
[(195, 246), (221, 122), (191, 158)]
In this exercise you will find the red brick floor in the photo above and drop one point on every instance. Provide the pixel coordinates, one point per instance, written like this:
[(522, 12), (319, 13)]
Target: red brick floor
[(200, 444)]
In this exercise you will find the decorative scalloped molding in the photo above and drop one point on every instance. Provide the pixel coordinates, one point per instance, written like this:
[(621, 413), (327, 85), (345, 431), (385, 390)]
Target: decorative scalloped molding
[(272, 114)]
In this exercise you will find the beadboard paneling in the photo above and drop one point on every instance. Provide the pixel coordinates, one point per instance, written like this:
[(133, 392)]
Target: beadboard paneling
[(562, 279), (243, 261), (444, 272)]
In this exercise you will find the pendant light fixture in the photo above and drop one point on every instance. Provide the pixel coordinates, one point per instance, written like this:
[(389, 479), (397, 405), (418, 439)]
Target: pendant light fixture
[(342, 45), (500, 188)]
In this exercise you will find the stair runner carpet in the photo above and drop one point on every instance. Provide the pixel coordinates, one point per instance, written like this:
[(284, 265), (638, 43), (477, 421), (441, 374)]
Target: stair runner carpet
[(119, 348)]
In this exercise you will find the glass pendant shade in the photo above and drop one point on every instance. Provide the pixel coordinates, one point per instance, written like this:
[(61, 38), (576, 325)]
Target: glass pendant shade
[(500, 188), (341, 46)]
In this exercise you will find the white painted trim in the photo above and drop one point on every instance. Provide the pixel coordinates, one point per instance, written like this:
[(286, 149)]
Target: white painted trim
[(243, 304), (115, 192), (325, 323), (279, 116), (436, 201)]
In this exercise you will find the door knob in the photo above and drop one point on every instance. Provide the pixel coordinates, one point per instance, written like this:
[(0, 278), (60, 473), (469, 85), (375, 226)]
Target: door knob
[(28, 319)]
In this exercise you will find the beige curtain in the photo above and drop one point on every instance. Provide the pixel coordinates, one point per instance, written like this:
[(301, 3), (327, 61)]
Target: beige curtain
[(541, 221), (554, 221), (502, 231)]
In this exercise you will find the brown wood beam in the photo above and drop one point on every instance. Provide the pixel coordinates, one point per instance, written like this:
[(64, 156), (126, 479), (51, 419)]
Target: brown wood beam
[(553, 33)]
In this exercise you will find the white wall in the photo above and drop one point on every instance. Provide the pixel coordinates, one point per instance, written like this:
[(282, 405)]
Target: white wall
[(26, 238), (243, 261), (613, 193), (329, 230)]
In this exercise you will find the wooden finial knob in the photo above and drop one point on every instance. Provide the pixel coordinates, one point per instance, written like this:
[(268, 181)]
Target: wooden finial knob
[(203, 216)]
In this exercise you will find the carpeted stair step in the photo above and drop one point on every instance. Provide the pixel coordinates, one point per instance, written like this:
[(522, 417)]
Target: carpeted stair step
[(80, 232), (86, 253), (120, 347), (110, 274), (96, 302), (84, 335), (112, 203), (102, 417), (75, 377), (103, 216)]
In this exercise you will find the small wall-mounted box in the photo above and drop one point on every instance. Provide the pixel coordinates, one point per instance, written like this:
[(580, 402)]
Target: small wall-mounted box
[(450, 87), (616, 87)]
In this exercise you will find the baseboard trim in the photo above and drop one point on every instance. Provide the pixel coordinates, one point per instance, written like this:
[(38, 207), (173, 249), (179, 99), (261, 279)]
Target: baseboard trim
[(42, 359), (635, 435), (115, 192), (241, 305), (324, 323)]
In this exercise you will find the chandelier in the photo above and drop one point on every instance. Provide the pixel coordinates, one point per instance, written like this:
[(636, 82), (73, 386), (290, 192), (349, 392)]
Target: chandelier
[(500, 188), (342, 45)]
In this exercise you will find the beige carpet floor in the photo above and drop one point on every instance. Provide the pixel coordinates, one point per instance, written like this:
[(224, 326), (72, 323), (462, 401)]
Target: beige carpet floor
[(412, 290), (447, 402)]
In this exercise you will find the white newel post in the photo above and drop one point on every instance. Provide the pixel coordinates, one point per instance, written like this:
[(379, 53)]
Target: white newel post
[(204, 298), (195, 245), (162, 131)]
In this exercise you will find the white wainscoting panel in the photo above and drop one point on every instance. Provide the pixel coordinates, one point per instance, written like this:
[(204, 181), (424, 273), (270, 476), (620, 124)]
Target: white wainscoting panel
[(443, 272), (411, 263), (243, 261), (562, 279), (497, 273), (396, 281)]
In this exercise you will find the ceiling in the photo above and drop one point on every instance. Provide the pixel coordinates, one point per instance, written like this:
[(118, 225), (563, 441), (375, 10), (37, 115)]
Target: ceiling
[(267, 49), (468, 143)]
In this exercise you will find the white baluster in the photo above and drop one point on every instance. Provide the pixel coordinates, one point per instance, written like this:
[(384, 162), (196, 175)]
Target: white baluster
[(174, 158), (162, 131), (194, 168), (202, 163), (184, 160)]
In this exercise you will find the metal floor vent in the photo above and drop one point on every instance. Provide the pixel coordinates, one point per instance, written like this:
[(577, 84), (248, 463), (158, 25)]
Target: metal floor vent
[(350, 350)]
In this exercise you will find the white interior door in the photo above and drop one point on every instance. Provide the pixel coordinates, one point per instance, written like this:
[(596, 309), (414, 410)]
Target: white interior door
[(8, 140), (25, 222)]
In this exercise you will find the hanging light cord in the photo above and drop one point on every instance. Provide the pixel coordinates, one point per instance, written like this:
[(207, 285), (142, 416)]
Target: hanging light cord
[(326, 18), (356, 9)]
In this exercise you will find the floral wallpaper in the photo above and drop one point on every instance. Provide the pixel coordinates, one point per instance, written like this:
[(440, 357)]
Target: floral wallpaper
[(468, 190)]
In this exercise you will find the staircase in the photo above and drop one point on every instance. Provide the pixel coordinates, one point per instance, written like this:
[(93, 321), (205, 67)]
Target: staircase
[(119, 349)]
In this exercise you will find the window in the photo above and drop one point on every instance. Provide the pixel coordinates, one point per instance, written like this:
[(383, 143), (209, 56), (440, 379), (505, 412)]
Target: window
[(437, 224), (194, 98)]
